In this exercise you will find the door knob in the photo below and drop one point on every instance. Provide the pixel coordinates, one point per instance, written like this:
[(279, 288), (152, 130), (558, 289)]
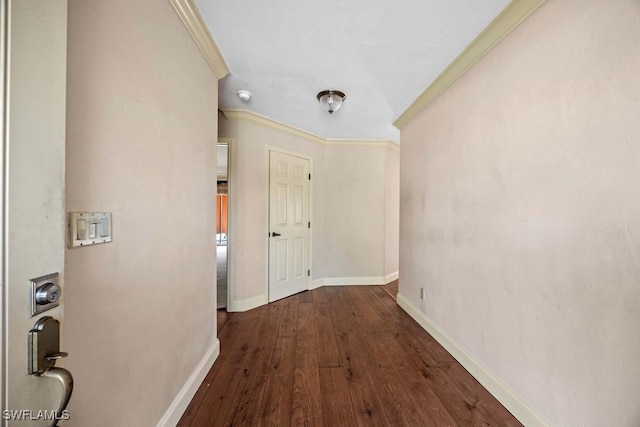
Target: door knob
[(274, 234)]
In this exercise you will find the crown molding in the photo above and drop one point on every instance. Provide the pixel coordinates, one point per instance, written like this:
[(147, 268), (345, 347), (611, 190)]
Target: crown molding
[(362, 143), (514, 14), (250, 116), (191, 18)]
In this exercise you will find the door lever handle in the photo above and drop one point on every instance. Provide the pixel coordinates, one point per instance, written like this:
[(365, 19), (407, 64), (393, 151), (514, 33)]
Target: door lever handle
[(66, 380), (274, 234), (44, 351)]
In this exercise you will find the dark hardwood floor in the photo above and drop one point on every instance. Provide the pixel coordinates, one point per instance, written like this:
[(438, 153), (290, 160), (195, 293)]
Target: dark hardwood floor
[(337, 356), (391, 288)]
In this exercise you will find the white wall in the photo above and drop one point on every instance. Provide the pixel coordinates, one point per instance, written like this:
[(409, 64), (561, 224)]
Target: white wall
[(520, 211), (141, 143), (35, 184), (350, 226)]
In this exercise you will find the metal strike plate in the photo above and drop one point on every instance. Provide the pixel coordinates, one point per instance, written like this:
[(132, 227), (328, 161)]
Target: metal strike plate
[(89, 228), (44, 345), (40, 286)]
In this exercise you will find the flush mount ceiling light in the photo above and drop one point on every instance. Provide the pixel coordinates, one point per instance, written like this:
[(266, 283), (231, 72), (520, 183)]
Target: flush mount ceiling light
[(331, 100), (244, 95)]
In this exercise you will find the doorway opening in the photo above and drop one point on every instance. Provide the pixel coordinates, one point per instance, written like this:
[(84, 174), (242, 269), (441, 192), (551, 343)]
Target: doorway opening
[(222, 225)]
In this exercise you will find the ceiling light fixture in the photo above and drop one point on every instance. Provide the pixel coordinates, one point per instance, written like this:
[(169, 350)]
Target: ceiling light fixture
[(331, 100), (244, 95)]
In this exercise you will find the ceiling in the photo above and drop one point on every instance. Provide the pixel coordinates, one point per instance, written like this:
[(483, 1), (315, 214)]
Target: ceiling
[(382, 54)]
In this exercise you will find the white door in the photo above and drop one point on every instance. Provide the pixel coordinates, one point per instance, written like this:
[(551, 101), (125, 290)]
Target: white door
[(34, 205), (289, 225)]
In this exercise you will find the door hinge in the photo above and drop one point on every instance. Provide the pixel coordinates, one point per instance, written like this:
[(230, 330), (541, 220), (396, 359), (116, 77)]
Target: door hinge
[(309, 273), (309, 224), (309, 177)]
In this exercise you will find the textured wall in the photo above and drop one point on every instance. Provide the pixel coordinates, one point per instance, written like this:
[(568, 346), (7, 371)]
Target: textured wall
[(520, 211), (141, 143)]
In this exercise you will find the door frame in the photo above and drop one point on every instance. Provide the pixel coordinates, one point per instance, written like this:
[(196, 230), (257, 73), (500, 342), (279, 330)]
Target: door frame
[(230, 218), (4, 39), (268, 150)]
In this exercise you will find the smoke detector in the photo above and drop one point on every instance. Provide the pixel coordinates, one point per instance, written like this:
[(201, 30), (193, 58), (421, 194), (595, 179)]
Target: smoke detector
[(244, 95)]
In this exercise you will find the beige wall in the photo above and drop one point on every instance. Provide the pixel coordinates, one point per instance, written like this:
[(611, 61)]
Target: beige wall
[(348, 223), (355, 211), (141, 141), (392, 212), (35, 184), (520, 211), (248, 206), (361, 213)]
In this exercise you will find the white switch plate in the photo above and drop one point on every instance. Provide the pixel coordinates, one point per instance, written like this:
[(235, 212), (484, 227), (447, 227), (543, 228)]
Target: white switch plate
[(95, 229)]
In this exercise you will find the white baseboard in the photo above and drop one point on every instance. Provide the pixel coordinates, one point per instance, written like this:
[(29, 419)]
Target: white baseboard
[(318, 283), (257, 301), (189, 389), (339, 281), (248, 304), (522, 410), (391, 277)]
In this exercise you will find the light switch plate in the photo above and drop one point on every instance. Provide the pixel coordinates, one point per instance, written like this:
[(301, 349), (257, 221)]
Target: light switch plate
[(95, 228)]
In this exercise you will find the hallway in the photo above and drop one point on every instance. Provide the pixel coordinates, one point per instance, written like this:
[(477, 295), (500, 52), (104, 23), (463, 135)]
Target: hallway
[(337, 356)]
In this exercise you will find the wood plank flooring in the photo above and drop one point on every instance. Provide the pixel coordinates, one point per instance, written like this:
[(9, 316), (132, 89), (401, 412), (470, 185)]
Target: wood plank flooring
[(337, 356)]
